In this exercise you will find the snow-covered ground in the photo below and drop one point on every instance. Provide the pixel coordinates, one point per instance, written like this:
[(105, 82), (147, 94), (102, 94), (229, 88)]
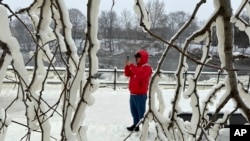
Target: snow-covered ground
[(107, 119)]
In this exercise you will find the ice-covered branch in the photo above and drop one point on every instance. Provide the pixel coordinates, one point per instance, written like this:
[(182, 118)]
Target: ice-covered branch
[(51, 24), (90, 84)]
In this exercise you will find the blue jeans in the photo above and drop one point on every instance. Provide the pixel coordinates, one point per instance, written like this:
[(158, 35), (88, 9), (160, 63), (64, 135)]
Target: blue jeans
[(137, 106)]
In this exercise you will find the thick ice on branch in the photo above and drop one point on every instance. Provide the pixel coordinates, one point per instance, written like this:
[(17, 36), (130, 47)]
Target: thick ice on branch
[(221, 39), (68, 34), (12, 43), (94, 30), (142, 13), (191, 87), (201, 37)]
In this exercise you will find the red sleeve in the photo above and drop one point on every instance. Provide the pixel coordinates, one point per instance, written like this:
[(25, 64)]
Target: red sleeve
[(127, 70), (141, 72)]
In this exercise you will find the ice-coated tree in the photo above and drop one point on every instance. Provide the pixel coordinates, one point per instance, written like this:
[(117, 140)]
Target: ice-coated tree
[(51, 24)]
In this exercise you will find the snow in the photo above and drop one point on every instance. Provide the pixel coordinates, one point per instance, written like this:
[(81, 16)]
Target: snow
[(221, 39), (141, 12), (12, 43), (106, 119), (107, 111)]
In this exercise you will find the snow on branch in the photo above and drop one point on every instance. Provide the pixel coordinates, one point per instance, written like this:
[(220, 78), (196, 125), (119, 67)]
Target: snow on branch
[(51, 25), (143, 14), (93, 45)]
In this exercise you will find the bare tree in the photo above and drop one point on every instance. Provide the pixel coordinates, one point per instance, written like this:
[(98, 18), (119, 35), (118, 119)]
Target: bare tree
[(107, 23), (175, 22), (157, 10), (20, 32), (126, 22), (78, 21), (126, 19)]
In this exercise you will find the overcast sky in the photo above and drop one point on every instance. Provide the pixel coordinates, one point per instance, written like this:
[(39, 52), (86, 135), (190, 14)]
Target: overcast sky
[(170, 5)]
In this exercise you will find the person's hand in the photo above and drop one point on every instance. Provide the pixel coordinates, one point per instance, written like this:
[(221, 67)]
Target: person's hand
[(128, 62)]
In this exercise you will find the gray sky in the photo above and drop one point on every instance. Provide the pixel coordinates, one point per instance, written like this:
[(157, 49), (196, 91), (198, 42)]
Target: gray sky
[(170, 5)]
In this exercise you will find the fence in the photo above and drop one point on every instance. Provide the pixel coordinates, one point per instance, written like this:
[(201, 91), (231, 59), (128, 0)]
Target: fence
[(115, 78)]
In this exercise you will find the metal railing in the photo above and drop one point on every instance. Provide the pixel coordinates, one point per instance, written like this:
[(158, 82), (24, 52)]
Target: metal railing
[(115, 78)]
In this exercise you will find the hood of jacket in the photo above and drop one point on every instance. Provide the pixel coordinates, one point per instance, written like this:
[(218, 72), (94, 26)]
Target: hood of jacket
[(144, 57)]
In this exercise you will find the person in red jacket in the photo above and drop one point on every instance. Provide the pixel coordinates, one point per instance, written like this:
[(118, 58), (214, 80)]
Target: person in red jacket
[(139, 77)]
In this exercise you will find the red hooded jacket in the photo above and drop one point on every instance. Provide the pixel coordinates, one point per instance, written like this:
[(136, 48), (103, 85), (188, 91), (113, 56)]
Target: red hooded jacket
[(139, 75)]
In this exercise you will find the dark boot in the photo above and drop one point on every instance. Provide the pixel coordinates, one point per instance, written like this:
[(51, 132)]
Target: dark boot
[(133, 128)]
